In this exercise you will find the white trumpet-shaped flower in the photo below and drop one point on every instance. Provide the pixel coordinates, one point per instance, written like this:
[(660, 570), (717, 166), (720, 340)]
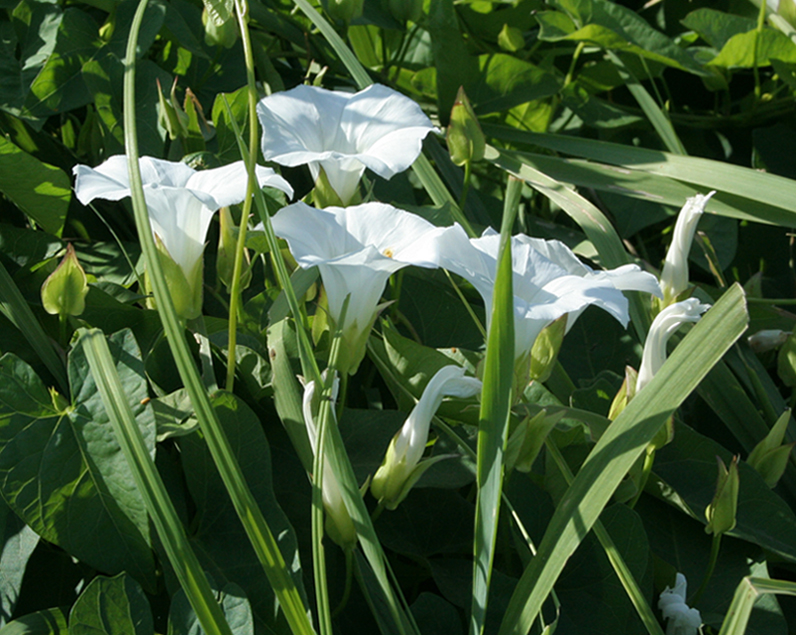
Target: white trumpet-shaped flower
[(680, 618), (674, 276), (339, 524), (663, 327), (356, 250), (343, 133), (549, 281), (181, 202), (402, 466)]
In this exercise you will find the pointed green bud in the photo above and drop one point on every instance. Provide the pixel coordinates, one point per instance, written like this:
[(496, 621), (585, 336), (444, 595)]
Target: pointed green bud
[(227, 246), (220, 31), (770, 457), (466, 142), (510, 39), (345, 10), (405, 10), (170, 116), (625, 393), (721, 512), (786, 361), (527, 439), (545, 349), (64, 291)]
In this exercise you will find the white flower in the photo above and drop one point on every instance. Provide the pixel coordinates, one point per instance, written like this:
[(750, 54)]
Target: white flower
[(549, 281), (663, 327), (343, 133), (356, 250), (181, 202), (767, 340), (681, 620), (402, 467), (674, 277), (339, 524)]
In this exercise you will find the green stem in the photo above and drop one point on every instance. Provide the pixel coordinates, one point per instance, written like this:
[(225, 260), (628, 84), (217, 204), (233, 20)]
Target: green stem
[(465, 185), (235, 291), (349, 575), (257, 529), (646, 470), (571, 72), (761, 19), (714, 556), (466, 304)]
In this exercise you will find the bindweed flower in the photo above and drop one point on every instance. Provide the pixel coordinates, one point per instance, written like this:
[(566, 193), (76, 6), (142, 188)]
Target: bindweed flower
[(680, 618), (343, 133), (181, 202), (356, 250), (402, 466), (674, 276), (339, 525), (767, 340), (663, 327), (549, 281)]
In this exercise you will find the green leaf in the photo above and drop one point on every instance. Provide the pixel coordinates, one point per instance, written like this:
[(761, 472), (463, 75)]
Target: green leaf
[(739, 51), (506, 82), (617, 450), (111, 606), (234, 604), (40, 190), (688, 466), (46, 622), (18, 542), (219, 538), (60, 488), (717, 27), (454, 64)]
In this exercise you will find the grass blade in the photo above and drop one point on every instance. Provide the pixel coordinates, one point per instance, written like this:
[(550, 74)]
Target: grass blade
[(618, 448), (494, 415), (257, 529), (159, 506), (14, 307)]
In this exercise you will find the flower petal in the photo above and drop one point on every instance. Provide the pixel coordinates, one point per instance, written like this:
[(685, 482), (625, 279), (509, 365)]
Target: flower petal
[(109, 180), (227, 185)]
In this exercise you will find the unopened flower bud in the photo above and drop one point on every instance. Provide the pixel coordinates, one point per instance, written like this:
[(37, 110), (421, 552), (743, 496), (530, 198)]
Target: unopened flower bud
[(510, 39), (722, 509), (220, 31), (466, 142), (64, 291), (546, 347), (767, 340), (345, 10), (227, 246), (770, 457)]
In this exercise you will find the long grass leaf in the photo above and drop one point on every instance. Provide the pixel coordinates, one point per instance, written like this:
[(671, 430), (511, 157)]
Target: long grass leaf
[(494, 415), (749, 589), (746, 193), (257, 529), (617, 450), (159, 506)]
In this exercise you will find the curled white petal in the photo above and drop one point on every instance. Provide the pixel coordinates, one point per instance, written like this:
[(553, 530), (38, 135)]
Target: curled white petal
[(663, 327), (674, 276), (681, 619)]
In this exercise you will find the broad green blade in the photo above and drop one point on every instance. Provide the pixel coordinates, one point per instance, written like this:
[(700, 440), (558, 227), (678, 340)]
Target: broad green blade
[(493, 419), (746, 193), (257, 529), (14, 307), (159, 506), (617, 450), (749, 589)]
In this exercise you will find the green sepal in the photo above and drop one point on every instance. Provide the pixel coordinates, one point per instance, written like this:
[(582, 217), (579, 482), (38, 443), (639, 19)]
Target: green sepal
[(770, 457), (185, 290), (545, 349), (527, 439), (466, 142), (722, 509), (64, 291)]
